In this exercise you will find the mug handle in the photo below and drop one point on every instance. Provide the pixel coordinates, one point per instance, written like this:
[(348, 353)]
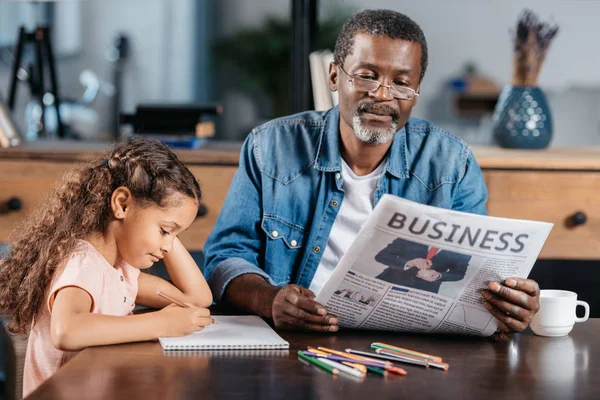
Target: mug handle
[(587, 311)]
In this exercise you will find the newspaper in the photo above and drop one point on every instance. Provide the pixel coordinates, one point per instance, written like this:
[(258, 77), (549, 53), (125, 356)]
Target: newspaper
[(417, 268)]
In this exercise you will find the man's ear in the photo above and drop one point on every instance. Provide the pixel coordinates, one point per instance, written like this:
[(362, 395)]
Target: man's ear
[(333, 77), (121, 201)]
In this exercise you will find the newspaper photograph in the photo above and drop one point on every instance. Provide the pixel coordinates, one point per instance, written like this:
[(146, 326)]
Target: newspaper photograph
[(418, 268)]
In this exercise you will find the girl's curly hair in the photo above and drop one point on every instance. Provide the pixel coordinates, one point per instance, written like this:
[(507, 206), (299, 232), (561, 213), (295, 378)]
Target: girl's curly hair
[(78, 207)]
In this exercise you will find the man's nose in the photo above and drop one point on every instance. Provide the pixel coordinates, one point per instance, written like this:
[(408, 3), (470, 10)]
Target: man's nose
[(382, 93)]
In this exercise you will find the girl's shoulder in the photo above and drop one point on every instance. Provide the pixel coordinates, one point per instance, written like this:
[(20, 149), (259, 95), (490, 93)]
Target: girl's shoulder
[(84, 256)]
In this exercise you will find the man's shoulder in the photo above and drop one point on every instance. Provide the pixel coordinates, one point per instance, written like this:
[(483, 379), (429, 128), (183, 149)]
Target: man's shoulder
[(286, 146), (435, 155), (423, 132), (305, 118)]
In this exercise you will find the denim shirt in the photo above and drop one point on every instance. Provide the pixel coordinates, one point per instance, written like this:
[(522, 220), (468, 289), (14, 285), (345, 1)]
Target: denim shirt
[(287, 191)]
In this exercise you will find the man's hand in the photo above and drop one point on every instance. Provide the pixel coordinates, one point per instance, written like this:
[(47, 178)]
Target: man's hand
[(428, 275), (294, 308), (420, 263), (514, 304)]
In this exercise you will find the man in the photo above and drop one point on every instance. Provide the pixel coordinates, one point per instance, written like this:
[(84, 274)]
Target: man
[(307, 183), (420, 266)]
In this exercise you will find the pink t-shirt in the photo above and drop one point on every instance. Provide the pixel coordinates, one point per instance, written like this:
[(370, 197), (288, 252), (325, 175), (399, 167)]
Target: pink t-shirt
[(113, 291)]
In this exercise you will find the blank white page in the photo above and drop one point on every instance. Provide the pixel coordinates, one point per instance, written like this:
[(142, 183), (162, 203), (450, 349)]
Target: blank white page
[(231, 332)]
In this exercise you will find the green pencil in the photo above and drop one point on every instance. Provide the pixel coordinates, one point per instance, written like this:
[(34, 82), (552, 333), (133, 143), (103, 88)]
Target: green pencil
[(379, 371), (318, 363)]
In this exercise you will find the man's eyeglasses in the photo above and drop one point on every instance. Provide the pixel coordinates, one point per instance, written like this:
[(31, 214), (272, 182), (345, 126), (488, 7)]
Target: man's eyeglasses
[(363, 84)]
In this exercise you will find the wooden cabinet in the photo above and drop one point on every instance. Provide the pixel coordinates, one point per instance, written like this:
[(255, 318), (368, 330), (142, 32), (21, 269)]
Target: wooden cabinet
[(28, 181), (560, 186), (214, 183), (548, 185), (30, 172)]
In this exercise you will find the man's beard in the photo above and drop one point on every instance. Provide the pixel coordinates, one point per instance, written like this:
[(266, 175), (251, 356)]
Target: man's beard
[(370, 135)]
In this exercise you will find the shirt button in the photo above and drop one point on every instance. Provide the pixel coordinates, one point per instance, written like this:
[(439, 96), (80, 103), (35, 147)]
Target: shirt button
[(124, 299), (275, 233), (122, 279), (317, 249), (334, 203), (293, 243), (338, 176)]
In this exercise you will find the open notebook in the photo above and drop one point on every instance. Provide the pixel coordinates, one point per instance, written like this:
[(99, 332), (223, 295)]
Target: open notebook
[(231, 333)]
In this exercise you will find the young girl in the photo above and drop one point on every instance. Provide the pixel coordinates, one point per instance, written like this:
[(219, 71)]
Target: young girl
[(73, 276)]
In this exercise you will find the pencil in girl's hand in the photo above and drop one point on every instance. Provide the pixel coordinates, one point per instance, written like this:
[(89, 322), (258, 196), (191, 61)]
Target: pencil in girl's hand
[(179, 303), (173, 300)]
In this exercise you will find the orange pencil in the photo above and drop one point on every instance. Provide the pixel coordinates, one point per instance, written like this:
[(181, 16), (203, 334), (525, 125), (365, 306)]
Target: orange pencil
[(407, 351), (396, 370), (313, 350)]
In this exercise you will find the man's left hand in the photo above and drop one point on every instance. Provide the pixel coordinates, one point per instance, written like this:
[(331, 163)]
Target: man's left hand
[(428, 275), (514, 303)]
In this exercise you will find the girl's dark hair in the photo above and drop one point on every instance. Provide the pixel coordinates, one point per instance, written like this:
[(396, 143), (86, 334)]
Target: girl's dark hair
[(78, 207)]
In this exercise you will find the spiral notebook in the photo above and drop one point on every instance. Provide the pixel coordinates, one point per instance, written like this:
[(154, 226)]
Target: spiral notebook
[(233, 332)]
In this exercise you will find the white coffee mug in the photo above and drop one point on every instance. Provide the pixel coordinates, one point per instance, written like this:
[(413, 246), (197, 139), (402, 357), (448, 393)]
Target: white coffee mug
[(556, 316)]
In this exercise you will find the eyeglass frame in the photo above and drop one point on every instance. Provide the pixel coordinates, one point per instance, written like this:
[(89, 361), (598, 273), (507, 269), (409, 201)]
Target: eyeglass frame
[(351, 79)]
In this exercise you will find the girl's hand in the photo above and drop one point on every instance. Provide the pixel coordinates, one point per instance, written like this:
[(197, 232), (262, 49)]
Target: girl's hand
[(180, 321)]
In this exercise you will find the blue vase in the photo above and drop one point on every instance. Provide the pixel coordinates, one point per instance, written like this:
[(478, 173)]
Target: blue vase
[(522, 118)]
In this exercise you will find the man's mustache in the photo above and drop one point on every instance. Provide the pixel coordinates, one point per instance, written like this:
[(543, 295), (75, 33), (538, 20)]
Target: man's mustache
[(376, 108)]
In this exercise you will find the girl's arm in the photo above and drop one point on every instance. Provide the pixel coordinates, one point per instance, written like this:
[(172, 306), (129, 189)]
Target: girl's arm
[(189, 285), (73, 327)]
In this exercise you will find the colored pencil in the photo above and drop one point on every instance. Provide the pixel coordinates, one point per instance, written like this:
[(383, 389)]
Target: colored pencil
[(406, 351), (443, 366), (388, 358), (179, 303), (318, 363), (408, 360), (378, 371), (370, 356), (343, 368), (317, 351), (358, 367), (173, 300), (343, 354), (344, 359)]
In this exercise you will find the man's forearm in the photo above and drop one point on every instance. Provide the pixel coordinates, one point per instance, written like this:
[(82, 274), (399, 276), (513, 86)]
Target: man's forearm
[(252, 293)]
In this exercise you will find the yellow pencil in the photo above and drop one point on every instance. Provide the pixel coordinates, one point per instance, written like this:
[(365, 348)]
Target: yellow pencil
[(360, 367)]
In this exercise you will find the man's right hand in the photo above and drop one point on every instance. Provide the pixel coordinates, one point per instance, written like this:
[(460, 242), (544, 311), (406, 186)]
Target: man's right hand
[(294, 308), (420, 263), (290, 307)]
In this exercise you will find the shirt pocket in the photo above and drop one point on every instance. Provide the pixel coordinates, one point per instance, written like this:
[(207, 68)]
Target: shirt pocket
[(277, 229)]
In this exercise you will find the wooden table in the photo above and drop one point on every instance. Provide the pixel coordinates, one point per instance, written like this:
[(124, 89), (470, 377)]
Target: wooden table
[(522, 366)]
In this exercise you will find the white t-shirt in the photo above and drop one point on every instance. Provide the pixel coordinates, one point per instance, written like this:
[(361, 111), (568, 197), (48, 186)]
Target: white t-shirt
[(359, 192)]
